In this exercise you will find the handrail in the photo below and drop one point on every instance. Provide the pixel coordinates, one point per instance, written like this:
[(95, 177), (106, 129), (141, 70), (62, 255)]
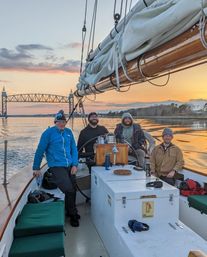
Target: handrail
[(197, 254), (5, 163), (16, 204)]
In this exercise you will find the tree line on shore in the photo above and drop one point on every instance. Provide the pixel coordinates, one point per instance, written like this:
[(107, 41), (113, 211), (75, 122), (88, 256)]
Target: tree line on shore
[(160, 110)]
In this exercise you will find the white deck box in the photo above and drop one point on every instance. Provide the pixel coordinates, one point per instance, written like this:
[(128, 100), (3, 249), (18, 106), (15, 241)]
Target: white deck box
[(115, 201), (99, 178), (125, 200)]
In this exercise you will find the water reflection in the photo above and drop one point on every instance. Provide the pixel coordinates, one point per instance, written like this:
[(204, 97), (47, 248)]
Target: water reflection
[(194, 124), (4, 128), (23, 135), (199, 125)]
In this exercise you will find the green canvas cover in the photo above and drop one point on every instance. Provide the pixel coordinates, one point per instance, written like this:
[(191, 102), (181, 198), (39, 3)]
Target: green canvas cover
[(45, 245), (40, 218), (199, 202)]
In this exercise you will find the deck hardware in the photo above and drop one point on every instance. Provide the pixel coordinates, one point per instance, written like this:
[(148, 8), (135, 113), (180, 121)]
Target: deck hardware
[(177, 224), (171, 198), (109, 199), (95, 180), (172, 226), (124, 201), (125, 230), (147, 196)]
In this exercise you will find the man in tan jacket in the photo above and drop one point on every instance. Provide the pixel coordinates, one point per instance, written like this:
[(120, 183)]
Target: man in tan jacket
[(166, 159)]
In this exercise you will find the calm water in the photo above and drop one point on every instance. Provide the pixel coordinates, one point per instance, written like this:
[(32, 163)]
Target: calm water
[(23, 136)]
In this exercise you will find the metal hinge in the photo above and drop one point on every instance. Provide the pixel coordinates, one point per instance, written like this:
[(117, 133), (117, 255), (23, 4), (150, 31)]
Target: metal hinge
[(171, 198), (124, 201)]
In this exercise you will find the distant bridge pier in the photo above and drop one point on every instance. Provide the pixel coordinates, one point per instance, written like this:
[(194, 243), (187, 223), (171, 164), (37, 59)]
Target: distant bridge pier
[(71, 107), (71, 102), (4, 103)]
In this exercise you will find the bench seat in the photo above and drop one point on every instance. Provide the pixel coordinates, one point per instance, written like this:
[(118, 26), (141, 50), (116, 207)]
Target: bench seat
[(40, 218), (44, 245), (199, 202)]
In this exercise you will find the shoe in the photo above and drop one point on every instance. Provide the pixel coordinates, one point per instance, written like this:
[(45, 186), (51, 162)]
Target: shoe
[(74, 222), (77, 216)]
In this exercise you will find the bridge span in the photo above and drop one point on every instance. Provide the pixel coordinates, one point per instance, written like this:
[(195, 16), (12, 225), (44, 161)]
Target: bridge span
[(35, 98)]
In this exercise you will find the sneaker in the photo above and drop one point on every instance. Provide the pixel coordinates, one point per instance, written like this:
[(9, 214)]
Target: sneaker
[(74, 222)]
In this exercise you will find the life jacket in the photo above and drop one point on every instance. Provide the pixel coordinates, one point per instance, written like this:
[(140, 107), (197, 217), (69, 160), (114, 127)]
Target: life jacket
[(191, 187)]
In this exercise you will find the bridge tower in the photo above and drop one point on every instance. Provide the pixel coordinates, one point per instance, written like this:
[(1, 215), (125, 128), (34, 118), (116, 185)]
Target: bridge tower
[(71, 107), (71, 102), (4, 103)]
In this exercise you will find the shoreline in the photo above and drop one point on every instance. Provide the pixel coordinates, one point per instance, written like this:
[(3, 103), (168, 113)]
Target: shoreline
[(117, 116)]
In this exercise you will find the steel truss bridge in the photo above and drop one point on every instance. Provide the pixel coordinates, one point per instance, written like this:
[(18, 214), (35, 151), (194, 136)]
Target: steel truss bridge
[(35, 98)]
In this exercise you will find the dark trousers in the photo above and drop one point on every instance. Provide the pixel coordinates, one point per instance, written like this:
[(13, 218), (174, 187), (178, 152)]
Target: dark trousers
[(170, 181), (66, 182)]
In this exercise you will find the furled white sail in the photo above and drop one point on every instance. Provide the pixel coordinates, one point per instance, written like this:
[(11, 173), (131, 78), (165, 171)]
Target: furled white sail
[(145, 28)]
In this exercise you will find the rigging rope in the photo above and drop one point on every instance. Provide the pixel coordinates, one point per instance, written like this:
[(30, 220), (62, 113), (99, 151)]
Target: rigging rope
[(125, 14), (146, 78), (82, 111), (75, 107), (145, 3), (202, 26), (117, 15), (92, 29), (130, 5), (83, 36)]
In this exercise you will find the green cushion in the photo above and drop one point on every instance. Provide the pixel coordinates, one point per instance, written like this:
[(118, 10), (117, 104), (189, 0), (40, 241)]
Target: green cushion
[(199, 202), (40, 218), (46, 245)]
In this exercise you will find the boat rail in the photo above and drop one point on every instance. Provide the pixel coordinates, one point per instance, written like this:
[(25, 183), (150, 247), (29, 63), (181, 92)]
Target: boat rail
[(14, 191)]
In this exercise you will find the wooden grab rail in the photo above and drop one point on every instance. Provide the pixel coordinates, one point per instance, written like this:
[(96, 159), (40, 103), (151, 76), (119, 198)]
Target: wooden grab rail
[(197, 254)]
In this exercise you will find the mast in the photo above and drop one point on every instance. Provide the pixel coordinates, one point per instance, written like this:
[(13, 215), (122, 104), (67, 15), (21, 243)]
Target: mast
[(179, 53)]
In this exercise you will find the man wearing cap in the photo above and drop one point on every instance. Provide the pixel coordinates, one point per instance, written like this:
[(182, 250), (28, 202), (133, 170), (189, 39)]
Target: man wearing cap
[(59, 146), (166, 159), (88, 137), (128, 131)]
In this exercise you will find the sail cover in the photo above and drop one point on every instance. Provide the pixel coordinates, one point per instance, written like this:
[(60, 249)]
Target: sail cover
[(144, 28)]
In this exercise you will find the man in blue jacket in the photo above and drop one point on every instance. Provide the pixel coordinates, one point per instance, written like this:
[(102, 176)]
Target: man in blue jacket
[(59, 146)]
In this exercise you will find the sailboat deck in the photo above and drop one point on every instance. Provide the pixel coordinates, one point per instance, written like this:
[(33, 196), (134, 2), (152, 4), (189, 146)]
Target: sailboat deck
[(84, 240)]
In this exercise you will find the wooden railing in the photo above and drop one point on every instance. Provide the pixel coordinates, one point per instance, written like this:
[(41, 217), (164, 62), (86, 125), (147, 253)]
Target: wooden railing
[(197, 254)]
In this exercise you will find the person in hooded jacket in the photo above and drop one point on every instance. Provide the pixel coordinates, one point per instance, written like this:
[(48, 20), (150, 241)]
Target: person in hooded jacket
[(128, 131), (59, 146)]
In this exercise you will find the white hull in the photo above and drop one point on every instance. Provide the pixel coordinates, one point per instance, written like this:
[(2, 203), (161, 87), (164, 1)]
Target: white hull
[(189, 216)]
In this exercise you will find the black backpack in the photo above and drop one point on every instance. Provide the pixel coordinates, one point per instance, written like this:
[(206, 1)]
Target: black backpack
[(47, 181), (38, 196)]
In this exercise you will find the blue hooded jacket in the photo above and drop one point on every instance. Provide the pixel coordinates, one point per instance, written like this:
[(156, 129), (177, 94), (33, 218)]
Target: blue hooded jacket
[(59, 147)]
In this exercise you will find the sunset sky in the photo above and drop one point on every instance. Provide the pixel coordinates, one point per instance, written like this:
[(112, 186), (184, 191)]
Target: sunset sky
[(40, 49)]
